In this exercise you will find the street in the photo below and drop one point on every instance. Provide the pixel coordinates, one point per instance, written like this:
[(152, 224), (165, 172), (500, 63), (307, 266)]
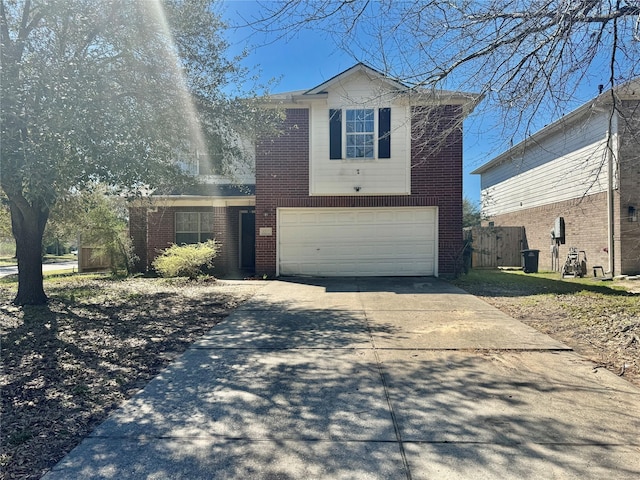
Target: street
[(47, 267)]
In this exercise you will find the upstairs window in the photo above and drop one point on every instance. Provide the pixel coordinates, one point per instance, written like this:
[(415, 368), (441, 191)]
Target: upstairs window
[(189, 166), (186, 159), (360, 130), (193, 227)]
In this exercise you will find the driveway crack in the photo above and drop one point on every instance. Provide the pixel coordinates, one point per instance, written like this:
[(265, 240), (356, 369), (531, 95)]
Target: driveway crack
[(385, 386)]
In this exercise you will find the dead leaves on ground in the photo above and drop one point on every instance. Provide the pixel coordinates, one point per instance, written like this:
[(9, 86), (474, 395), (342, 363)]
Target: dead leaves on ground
[(68, 364)]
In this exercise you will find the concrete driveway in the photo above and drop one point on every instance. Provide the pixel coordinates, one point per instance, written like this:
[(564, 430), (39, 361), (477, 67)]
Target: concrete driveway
[(393, 378)]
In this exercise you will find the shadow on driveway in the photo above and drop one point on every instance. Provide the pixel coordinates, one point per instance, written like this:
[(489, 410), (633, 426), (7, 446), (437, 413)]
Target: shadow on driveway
[(292, 385)]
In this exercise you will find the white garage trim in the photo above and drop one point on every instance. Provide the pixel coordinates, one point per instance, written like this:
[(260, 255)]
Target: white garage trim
[(377, 241)]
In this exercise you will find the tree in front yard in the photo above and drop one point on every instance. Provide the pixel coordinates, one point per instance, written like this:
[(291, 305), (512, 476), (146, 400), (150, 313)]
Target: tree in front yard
[(105, 91)]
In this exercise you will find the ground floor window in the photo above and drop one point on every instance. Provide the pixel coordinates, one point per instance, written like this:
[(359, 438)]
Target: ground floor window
[(193, 227)]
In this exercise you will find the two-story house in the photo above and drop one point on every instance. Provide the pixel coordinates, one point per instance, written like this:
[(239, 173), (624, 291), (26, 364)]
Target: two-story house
[(575, 183), (365, 178)]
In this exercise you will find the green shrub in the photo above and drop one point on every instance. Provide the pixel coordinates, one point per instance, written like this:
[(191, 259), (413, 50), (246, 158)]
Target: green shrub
[(186, 260)]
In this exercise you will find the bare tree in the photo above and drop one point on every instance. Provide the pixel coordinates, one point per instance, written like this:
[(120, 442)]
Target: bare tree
[(523, 56)]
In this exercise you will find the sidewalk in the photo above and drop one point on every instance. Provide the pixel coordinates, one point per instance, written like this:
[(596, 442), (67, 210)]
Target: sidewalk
[(370, 379)]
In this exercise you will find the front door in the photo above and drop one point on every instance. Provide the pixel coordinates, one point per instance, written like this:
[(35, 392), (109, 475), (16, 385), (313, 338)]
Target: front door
[(248, 240)]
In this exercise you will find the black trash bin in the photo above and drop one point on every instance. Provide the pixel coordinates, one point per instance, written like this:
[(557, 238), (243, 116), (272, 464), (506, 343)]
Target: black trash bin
[(530, 260)]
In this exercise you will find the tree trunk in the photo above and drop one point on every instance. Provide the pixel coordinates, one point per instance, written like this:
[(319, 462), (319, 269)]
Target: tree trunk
[(28, 224)]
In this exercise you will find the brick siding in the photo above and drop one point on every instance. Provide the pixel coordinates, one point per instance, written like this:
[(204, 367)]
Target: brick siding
[(282, 180), (629, 252), (153, 230), (585, 228)]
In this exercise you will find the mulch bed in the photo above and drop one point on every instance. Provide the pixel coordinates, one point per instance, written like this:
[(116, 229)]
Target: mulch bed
[(67, 365)]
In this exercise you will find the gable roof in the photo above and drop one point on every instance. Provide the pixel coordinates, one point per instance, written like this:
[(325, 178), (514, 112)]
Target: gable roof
[(415, 95), (358, 67), (627, 91)]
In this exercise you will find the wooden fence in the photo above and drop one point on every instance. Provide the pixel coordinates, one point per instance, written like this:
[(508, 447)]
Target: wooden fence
[(496, 246), (92, 259)]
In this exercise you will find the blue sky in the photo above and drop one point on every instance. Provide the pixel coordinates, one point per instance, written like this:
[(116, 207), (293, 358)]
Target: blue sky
[(309, 57)]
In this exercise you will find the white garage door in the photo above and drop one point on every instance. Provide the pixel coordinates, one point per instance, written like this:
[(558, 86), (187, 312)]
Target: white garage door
[(357, 241)]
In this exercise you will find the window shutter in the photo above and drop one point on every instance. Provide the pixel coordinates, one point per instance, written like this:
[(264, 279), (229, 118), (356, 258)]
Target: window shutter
[(335, 134), (384, 133)]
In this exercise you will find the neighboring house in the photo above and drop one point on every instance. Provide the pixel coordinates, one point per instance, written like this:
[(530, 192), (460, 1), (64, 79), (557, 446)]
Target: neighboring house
[(575, 183), (365, 178)]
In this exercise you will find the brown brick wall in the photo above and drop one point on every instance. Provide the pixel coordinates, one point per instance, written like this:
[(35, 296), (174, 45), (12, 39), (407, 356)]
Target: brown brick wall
[(629, 187), (161, 228), (436, 173), (282, 180), (585, 228), (160, 222), (282, 175)]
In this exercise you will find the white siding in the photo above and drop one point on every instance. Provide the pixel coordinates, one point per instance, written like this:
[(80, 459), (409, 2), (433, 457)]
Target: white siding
[(357, 241), (566, 165), (373, 176)]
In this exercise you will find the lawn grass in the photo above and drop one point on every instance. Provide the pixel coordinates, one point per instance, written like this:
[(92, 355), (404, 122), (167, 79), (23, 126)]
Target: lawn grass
[(518, 283), (586, 299), (6, 261), (63, 283), (599, 320)]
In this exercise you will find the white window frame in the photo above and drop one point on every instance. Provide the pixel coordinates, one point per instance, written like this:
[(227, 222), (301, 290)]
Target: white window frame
[(374, 133)]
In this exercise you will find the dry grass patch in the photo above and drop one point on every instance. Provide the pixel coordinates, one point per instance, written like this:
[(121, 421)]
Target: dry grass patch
[(599, 320)]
